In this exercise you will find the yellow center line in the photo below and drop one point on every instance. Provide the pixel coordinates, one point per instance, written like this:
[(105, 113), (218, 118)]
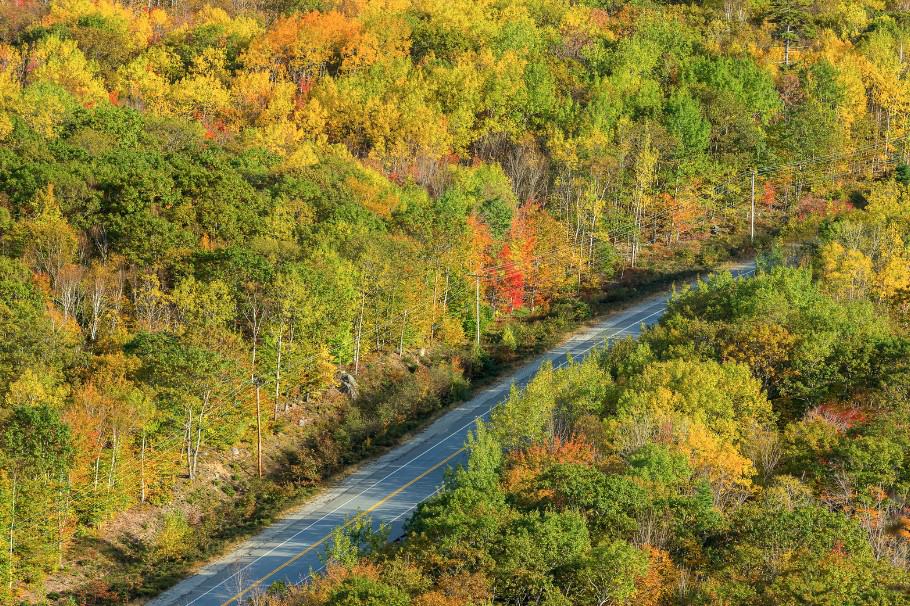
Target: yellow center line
[(326, 537), (402, 488)]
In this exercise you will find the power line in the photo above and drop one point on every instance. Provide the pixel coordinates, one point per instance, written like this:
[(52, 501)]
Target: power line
[(542, 259)]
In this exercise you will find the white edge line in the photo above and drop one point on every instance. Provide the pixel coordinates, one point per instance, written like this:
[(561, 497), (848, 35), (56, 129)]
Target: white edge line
[(431, 448)]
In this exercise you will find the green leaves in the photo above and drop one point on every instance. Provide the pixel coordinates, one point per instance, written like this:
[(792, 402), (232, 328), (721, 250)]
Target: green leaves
[(36, 443)]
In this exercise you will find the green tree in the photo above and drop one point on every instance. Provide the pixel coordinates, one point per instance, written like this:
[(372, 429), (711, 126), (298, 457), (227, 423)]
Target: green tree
[(358, 591), (37, 453)]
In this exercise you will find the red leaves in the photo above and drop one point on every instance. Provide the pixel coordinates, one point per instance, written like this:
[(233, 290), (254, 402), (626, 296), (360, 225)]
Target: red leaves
[(513, 282), (841, 415), (306, 85)]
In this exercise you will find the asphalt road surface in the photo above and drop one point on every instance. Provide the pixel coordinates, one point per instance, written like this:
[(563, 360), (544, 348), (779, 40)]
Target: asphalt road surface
[(388, 488)]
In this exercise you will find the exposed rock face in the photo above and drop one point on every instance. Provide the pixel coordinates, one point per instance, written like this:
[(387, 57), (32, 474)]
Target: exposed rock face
[(348, 384)]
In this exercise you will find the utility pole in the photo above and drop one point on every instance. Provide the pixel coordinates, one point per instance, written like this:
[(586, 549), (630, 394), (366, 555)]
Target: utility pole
[(257, 382), (477, 310), (752, 217)]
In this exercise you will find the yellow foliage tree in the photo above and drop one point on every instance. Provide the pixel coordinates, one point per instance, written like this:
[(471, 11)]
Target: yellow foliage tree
[(847, 273), (62, 63)]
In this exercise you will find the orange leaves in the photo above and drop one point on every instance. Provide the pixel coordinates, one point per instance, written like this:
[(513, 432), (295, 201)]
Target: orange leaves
[(525, 466), (318, 592), (659, 583), (458, 589), (303, 47), (684, 212), (480, 241), (902, 527), (769, 195)]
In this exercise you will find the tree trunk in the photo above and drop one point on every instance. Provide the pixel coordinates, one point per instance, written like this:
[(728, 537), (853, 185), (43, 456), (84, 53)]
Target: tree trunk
[(110, 472), (97, 465), (142, 470), (787, 47), (258, 433), (12, 530), (278, 374), (359, 334), (189, 444), (404, 323), (199, 424)]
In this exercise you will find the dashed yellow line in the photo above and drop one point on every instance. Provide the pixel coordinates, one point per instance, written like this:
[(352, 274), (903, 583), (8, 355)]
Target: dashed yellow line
[(322, 540)]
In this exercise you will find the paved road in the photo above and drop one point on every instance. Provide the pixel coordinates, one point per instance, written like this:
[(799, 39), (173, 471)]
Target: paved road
[(389, 488)]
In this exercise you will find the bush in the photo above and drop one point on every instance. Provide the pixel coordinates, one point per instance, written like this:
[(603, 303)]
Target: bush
[(174, 541)]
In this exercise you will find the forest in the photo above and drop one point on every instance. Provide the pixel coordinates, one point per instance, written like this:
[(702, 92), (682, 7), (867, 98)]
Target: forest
[(245, 243), (753, 448)]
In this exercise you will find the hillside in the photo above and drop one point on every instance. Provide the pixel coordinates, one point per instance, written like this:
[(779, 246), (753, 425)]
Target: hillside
[(214, 215), (753, 448)]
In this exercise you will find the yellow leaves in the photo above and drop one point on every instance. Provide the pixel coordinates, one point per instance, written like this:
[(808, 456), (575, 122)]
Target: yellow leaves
[(390, 120), (313, 119), (203, 306), (259, 100), (884, 71), (503, 89), (849, 18), (847, 273), (468, 19), (49, 242), (200, 97), (763, 347), (134, 30), (851, 68), (888, 204), (319, 375), (211, 62), (451, 331), (70, 11), (6, 126), (142, 83), (158, 18), (850, 273), (302, 156), (34, 389), (894, 277), (705, 410), (581, 21), (387, 28), (44, 109), (62, 63), (241, 28), (373, 192), (720, 461), (150, 302), (10, 88)]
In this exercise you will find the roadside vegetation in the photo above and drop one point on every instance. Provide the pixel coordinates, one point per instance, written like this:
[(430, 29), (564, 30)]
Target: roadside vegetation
[(753, 448), (246, 243)]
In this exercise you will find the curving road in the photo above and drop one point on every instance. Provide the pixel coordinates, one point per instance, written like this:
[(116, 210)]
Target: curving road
[(390, 487)]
